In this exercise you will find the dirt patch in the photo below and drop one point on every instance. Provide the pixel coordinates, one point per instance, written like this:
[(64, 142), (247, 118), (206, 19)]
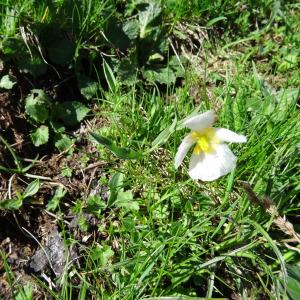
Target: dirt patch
[(5, 113), (27, 235), (13, 126), (31, 236), (17, 246)]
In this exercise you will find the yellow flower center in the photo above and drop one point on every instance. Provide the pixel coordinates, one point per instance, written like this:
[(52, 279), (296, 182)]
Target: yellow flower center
[(205, 140)]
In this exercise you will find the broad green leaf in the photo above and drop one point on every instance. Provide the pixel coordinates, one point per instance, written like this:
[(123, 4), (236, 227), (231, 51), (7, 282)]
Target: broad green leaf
[(60, 47), (115, 185), (176, 63), (54, 202), (7, 82), (69, 112), (109, 75), (9, 21), (293, 282), (61, 51), (156, 41), (131, 29), (32, 188), (11, 204), (95, 205), (160, 39), (160, 74), (165, 74), (116, 35), (63, 143), (15, 48), (102, 254), (37, 106), (40, 136), (58, 127), (287, 99), (147, 17), (127, 71), (88, 87), (116, 181), (125, 200), (124, 153), (156, 57), (126, 196), (133, 205)]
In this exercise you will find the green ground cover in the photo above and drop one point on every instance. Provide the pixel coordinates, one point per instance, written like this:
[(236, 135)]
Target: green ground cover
[(95, 94)]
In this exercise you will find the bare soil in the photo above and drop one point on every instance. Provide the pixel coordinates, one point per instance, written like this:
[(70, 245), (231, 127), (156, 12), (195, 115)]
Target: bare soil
[(26, 234)]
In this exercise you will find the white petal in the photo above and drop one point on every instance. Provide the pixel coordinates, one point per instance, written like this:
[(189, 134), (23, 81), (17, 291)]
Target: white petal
[(208, 167), (226, 135), (183, 149), (201, 121)]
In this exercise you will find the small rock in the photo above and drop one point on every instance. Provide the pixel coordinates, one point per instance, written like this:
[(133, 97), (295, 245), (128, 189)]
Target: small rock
[(53, 253)]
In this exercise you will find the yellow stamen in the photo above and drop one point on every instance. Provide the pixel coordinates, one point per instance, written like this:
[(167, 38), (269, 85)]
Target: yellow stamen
[(205, 140)]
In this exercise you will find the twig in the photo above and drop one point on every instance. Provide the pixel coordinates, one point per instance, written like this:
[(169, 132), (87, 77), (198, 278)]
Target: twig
[(10, 184), (281, 222)]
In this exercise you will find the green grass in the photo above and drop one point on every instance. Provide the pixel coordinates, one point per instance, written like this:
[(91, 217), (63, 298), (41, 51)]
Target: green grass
[(185, 226), (160, 233)]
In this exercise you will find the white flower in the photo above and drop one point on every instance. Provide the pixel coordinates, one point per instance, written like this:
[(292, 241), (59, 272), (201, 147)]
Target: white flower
[(211, 157)]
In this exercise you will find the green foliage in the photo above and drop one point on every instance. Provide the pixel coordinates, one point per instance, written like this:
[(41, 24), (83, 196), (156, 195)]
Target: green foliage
[(125, 200), (37, 106), (63, 142), (7, 82), (118, 197), (32, 189), (28, 60), (40, 136), (145, 38), (66, 172), (138, 38), (115, 185), (26, 293), (69, 113), (88, 87), (290, 59), (17, 161), (41, 109), (165, 75), (110, 78), (164, 135), (226, 15), (59, 47), (53, 203), (95, 205), (17, 202), (147, 17), (101, 255), (293, 282), (124, 153)]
